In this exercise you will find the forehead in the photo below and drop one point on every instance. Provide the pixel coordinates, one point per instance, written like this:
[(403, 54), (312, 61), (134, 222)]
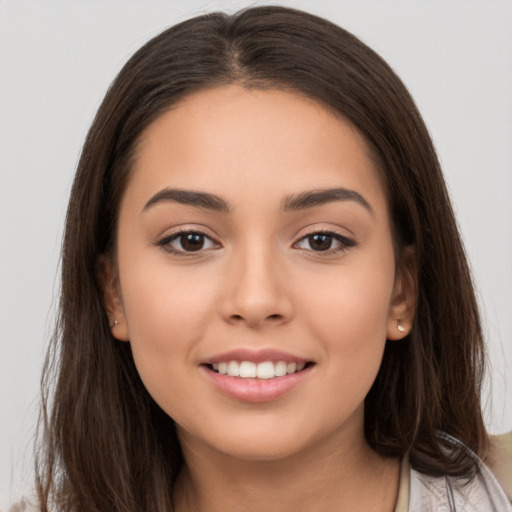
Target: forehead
[(230, 140)]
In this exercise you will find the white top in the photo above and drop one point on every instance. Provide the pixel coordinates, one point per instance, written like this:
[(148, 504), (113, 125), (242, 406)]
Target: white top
[(423, 493)]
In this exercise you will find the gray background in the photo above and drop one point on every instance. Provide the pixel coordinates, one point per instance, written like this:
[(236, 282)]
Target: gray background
[(56, 61)]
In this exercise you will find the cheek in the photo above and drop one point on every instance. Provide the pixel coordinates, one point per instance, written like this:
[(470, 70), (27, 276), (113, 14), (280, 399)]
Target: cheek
[(157, 295), (167, 313), (351, 303), (166, 319), (348, 312)]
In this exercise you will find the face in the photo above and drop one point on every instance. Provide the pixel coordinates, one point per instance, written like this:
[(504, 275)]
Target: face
[(254, 275)]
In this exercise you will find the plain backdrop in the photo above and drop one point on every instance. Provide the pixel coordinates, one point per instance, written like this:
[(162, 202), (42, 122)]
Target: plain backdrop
[(56, 62)]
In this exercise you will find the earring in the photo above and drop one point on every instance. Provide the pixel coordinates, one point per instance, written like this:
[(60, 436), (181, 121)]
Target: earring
[(400, 327), (114, 324)]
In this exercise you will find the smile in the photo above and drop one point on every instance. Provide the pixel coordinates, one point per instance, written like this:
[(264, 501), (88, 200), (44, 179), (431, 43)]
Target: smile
[(256, 376), (263, 370)]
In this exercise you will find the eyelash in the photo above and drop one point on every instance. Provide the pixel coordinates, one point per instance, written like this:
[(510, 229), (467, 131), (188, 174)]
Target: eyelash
[(165, 243), (345, 243)]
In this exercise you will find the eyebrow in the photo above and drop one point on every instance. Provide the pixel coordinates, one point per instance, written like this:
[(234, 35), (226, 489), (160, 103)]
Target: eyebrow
[(320, 197), (292, 202), (190, 198)]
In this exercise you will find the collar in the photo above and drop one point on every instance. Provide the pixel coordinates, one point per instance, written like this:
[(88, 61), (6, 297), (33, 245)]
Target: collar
[(402, 502)]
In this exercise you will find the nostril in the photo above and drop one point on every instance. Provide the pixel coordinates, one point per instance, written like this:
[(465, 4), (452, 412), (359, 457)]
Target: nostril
[(269, 317)]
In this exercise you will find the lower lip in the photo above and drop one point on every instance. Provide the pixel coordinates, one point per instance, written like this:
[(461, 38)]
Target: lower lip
[(256, 390)]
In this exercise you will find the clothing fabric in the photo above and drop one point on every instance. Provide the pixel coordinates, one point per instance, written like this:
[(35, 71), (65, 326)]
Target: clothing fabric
[(488, 491), (423, 493), (501, 457)]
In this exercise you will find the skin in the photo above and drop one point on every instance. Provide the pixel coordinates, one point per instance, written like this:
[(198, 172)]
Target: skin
[(259, 283)]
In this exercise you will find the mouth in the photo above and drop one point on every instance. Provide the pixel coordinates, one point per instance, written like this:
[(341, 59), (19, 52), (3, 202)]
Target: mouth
[(264, 370), (257, 376)]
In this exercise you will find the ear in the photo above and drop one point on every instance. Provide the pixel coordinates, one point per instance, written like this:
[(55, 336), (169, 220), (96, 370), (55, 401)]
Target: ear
[(403, 301), (112, 299)]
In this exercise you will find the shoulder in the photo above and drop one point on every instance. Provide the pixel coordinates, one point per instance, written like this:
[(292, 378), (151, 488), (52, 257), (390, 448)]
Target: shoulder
[(450, 494), (500, 461), (482, 493)]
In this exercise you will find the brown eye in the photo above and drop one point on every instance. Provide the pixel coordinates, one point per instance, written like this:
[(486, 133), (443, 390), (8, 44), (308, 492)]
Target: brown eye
[(192, 241), (325, 242), (186, 242), (320, 242)]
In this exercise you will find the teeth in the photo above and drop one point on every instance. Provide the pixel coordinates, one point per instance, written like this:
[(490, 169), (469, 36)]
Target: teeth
[(265, 370), (233, 369), (247, 369), (250, 370), (280, 369), (291, 367)]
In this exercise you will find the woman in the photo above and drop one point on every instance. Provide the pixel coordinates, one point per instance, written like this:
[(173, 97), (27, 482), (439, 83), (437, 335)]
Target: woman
[(265, 300)]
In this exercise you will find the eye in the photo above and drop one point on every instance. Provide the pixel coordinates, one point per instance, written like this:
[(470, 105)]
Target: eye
[(325, 241), (187, 242)]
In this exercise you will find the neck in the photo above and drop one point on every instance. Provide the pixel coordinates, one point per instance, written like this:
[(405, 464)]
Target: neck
[(336, 476)]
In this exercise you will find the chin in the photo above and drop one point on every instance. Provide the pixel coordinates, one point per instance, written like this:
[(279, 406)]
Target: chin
[(261, 450), (262, 442)]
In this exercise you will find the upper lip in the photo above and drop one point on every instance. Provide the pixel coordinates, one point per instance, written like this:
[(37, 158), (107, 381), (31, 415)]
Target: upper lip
[(255, 356)]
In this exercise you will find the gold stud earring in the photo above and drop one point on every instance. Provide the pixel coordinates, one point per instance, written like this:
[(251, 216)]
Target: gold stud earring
[(114, 324), (400, 327)]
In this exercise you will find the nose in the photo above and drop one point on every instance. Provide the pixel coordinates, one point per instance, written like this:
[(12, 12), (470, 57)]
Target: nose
[(257, 291)]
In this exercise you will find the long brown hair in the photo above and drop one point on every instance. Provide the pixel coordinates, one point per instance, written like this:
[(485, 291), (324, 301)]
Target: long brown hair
[(105, 444)]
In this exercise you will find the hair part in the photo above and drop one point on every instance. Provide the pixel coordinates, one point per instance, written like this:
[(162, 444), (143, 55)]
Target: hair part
[(105, 444)]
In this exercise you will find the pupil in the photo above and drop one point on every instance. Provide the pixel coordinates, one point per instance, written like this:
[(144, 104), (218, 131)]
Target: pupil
[(192, 241), (320, 242)]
